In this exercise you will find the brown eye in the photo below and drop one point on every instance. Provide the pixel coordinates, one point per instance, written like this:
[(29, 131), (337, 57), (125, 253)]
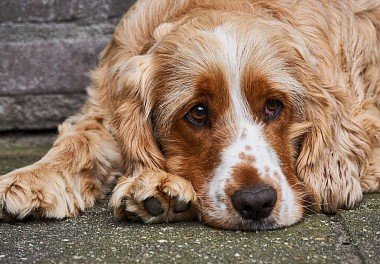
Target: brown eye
[(197, 115), (272, 109)]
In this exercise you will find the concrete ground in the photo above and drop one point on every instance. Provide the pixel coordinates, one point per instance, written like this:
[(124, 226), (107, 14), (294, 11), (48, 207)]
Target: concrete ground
[(347, 237)]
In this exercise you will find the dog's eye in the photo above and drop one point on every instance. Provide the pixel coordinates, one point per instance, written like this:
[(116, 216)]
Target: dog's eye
[(272, 109), (197, 115)]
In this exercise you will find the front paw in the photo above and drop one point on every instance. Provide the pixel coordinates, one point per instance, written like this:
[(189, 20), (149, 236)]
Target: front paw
[(155, 197), (40, 191)]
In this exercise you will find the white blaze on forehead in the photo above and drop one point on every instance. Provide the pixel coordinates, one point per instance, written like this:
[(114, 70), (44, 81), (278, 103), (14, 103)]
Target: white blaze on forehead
[(249, 137), (234, 58)]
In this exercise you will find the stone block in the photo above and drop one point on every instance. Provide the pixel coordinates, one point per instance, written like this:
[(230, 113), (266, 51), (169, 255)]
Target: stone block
[(49, 58), (91, 11), (19, 32), (25, 112), (54, 66), (36, 10), (118, 8), (52, 10)]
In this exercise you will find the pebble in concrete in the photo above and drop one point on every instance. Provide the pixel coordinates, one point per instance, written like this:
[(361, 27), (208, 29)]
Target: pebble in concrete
[(96, 236)]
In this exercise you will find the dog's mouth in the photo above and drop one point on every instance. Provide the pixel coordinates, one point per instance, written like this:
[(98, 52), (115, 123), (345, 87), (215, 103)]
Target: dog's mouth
[(234, 221), (259, 207), (238, 223)]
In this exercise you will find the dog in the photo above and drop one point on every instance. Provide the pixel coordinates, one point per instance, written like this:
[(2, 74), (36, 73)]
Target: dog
[(244, 114)]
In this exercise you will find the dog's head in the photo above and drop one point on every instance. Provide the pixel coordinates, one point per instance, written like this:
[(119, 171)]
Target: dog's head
[(220, 95)]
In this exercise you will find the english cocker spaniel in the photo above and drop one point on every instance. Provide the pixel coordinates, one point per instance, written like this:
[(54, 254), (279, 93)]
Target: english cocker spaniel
[(240, 113)]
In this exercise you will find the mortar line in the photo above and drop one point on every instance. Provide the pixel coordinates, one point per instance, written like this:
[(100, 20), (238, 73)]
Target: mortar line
[(353, 244)]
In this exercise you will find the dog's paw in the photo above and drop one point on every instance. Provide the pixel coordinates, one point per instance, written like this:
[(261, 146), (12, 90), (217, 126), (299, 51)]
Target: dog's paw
[(40, 191), (155, 197)]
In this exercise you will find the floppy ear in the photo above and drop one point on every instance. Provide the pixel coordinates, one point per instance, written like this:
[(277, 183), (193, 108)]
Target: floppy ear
[(334, 147), (132, 114), (122, 82)]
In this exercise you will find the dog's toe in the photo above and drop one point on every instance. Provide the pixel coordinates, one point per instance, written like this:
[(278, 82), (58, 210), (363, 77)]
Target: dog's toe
[(153, 206), (180, 206), (155, 198)]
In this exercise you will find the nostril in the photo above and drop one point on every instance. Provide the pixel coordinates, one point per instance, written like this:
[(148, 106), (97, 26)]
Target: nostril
[(247, 209), (266, 205), (254, 202)]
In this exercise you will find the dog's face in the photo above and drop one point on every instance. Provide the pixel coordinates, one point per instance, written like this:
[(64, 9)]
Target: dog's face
[(224, 99)]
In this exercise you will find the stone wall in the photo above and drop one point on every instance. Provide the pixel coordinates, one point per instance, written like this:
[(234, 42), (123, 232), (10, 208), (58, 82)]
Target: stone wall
[(47, 48)]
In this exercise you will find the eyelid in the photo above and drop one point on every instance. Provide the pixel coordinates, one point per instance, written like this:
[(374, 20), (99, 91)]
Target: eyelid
[(277, 112), (193, 122), (190, 120)]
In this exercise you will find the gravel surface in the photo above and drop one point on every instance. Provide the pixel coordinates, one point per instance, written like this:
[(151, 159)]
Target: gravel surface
[(96, 236)]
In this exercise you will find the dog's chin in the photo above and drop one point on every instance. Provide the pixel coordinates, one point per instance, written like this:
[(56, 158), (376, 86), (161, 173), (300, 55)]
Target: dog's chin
[(235, 222)]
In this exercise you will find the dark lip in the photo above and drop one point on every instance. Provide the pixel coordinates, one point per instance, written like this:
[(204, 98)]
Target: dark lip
[(241, 224)]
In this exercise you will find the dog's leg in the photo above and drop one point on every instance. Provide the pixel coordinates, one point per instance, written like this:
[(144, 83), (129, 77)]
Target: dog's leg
[(371, 179), (77, 171), (154, 197)]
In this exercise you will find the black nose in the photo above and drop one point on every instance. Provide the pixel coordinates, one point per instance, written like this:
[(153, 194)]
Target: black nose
[(254, 202)]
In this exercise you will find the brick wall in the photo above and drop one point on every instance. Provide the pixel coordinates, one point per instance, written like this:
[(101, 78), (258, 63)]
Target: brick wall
[(47, 48)]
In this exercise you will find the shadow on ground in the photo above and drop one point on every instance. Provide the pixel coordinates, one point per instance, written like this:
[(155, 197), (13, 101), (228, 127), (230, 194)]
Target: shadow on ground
[(96, 236)]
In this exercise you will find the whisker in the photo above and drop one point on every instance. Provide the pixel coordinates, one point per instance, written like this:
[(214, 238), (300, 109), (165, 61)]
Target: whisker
[(298, 183), (310, 210)]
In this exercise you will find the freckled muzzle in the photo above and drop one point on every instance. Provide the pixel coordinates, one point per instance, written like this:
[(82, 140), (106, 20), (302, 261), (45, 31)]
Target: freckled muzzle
[(254, 202)]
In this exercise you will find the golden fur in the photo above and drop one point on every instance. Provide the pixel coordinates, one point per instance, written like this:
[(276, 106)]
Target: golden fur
[(321, 57)]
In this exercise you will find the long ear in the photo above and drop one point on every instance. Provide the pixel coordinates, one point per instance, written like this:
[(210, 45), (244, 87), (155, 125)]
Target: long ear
[(122, 83), (335, 148), (131, 115)]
